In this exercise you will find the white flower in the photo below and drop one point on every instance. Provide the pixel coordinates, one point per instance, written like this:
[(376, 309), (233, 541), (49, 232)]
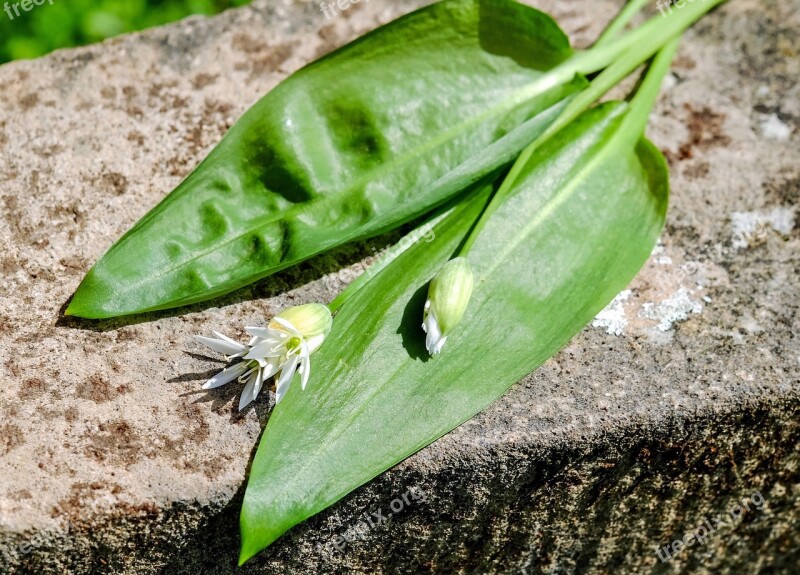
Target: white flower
[(280, 349), (434, 340), (448, 296)]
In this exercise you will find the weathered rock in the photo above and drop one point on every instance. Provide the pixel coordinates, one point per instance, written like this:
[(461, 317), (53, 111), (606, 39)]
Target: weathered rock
[(114, 461)]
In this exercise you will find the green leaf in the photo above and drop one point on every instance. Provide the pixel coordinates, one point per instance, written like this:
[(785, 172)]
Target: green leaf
[(369, 137), (581, 218)]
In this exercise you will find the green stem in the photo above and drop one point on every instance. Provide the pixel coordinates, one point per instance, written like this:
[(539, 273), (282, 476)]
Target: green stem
[(644, 40), (617, 24), (626, 63), (647, 92), (640, 43)]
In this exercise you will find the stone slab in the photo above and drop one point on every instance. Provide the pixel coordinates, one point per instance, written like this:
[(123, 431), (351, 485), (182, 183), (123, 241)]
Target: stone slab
[(681, 398)]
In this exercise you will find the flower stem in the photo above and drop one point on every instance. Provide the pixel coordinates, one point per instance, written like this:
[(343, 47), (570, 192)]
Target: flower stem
[(644, 41), (649, 40), (647, 92), (620, 21)]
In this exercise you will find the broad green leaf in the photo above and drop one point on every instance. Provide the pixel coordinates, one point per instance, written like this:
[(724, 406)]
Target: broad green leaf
[(580, 220), (369, 137)]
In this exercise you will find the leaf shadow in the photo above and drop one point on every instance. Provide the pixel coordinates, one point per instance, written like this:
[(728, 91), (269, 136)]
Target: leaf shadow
[(410, 328), (213, 541)]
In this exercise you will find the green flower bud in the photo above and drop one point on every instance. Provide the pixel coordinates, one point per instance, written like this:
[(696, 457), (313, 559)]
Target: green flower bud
[(310, 320), (448, 297)]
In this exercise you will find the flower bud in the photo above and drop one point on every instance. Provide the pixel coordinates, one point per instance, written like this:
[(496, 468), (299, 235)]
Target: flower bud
[(310, 320), (448, 296)]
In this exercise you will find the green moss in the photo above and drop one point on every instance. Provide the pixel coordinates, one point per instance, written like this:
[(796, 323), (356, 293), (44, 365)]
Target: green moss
[(63, 23)]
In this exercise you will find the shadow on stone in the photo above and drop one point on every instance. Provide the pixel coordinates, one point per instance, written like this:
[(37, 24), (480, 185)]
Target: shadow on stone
[(604, 506)]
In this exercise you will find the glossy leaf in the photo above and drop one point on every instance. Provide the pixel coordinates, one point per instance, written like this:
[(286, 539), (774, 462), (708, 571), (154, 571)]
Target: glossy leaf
[(580, 219), (371, 136)]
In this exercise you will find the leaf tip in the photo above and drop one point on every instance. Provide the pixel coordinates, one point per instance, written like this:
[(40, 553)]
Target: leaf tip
[(244, 557), (258, 528), (249, 548), (95, 299), (81, 303)]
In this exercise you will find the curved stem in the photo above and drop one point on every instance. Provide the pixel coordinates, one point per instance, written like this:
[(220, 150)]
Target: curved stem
[(617, 24), (647, 92), (644, 40), (651, 40)]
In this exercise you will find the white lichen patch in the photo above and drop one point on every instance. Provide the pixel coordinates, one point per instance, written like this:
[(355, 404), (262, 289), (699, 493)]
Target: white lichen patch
[(612, 318), (674, 309), (749, 227), (660, 296), (773, 128)]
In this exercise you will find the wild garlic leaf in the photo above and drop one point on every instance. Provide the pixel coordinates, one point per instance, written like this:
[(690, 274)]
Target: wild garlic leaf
[(580, 220), (369, 137)]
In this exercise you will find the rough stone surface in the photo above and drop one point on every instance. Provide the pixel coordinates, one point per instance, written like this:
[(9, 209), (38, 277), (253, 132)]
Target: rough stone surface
[(681, 400)]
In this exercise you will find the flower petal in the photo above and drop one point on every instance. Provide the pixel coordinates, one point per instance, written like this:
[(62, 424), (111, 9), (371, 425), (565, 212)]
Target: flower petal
[(305, 370), (224, 337), (224, 346), (269, 366), (247, 393), (266, 333), (438, 345), (258, 384), (287, 325), (226, 375), (305, 364), (286, 377), (434, 341), (265, 348), (314, 342)]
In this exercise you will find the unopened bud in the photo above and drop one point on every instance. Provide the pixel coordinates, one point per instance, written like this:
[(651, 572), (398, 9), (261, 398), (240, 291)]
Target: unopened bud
[(311, 319), (448, 297)]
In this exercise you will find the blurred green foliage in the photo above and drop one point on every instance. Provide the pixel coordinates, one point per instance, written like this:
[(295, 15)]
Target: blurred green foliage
[(61, 23)]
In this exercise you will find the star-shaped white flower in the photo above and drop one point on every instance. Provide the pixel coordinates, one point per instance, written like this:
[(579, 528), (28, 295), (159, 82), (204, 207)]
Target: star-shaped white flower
[(280, 349)]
